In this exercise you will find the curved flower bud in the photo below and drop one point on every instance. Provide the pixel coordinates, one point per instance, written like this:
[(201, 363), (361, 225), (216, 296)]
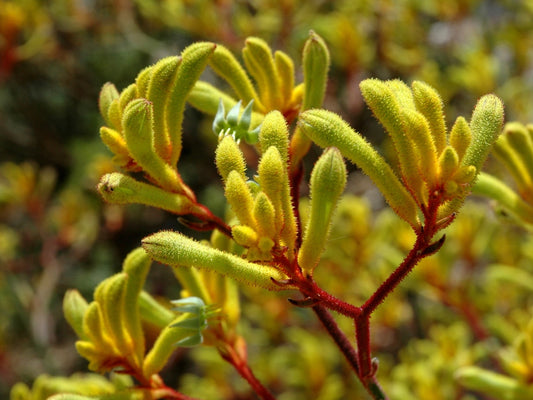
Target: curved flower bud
[(175, 249), (460, 137), (118, 188), (486, 124), (108, 93), (328, 129), (429, 104), (194, 59), (328, 180)]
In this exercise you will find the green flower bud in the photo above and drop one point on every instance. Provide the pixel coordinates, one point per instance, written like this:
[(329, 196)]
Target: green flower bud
[(258, 59), (118, 188), (136, 267), (496, 385), (328, 180), (429, 104), (486, 124), (226, 65), (114, 141), (108, 93), (285, 71), (315, 63), (448, 163), (175, 249), (194, 59), (265, 214), (328, 129), (240, 198), (418, 130), (229, 157), (127, 95), (520, 140), (164, 346), (137, 123), (143, 81), (74, 308), (460, 137), (163, 75), (385, 100), (274, 132)]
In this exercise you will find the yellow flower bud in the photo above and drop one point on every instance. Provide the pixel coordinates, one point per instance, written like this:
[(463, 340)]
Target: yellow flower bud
[(226, 65), (460, 137), (259, 62), (328, 180), (229, 157), (240, 198), (173, 248), (108, 93), (274, 132), (429, 104)]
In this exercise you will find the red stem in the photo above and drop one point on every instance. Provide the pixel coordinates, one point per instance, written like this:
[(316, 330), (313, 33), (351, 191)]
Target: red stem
[(232, 356), (338, 336)]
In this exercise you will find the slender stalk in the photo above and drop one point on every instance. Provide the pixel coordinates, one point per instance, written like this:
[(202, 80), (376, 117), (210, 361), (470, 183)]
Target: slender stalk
[(338, 336), (231, 355)]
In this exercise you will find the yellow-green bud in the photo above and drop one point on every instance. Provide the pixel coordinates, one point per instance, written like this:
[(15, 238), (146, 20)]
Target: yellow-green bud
[(496, 385), (229, 157), (194, 59), (448, 163), (274, 132), (240, 198), (163, 75), (259, 62), (328, 129), (143, 81), (328, 180), (226, 65), (127, 95), (173, 248), (74, 308), (429, 104), (108, 93), (244, 235), (285, 70), (265, 215), (460, 137), (118, 188), (486, 124), (114, 141), (315, 63)]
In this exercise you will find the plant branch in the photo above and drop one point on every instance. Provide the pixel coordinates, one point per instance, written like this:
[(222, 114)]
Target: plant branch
[(233, 356)]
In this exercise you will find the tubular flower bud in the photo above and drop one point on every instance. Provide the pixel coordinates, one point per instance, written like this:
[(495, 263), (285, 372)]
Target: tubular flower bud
[(486, 124), (240, 198), (193, 61), (229, 157), (328, 129), (460, 137), (108, 93), (429, 104), (172, 248), (162, 77), (274, 132), (328, 180)]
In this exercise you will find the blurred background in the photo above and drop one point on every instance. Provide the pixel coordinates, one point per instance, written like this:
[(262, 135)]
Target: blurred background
[(55, 232)]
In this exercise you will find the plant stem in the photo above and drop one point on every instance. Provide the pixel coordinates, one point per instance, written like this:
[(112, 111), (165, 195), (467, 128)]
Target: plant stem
[(338, 336), (231, 355)]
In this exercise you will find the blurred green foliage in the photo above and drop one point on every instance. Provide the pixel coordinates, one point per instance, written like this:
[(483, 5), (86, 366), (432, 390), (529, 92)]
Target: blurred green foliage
[(468, 305)]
